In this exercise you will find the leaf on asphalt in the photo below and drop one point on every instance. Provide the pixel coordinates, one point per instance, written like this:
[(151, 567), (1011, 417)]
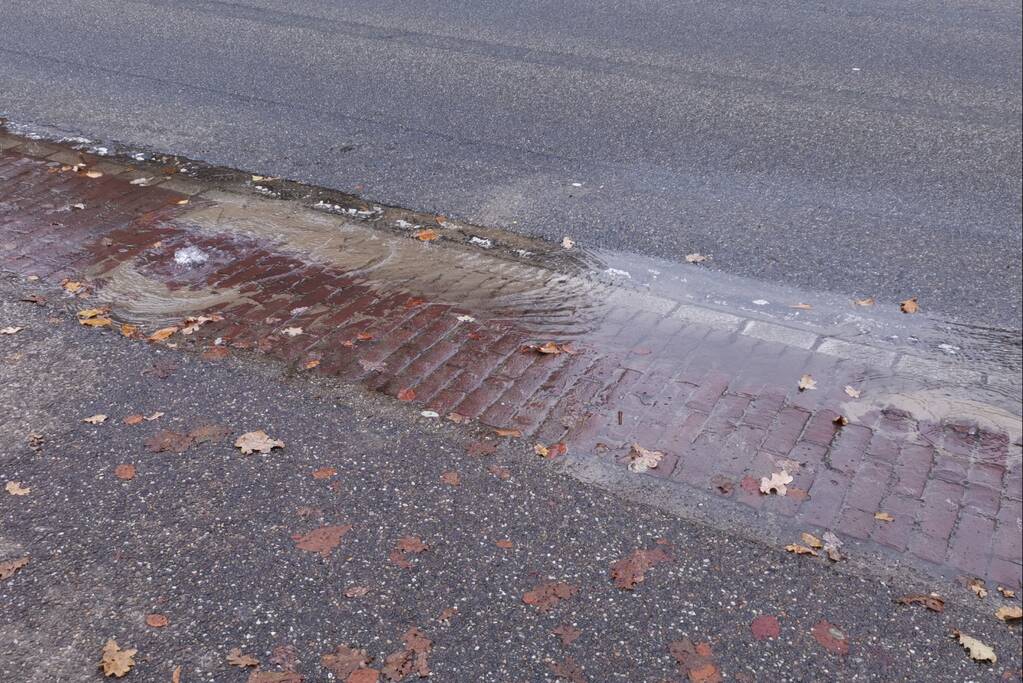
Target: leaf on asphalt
[(132, 420), (807, 382), (629, 571), (1007, 614), (426, 235), (95, 419), (909, 305), (209, 434), (502, 473), (504, 544), (451, 478), (193, 323), (322, 540), (157, 620), (567, 633), (363, 676), (931, 602), (292, 331), (407, 394), (324, 473), (481, 448), (1006, 592), (869, 301), (176, 674), (811, 540), (167, 441), (311, 363), (832, 546), (11, 330), (163, 333), (96, 322), (345, 660), (567, 670), (567, 242), (413, 659), (802, 307), (830, 637), (641, 459), (73, 286), (16, 489), (696, 258), (257, 442), (545, 596), (695, 660), (9, 568), (356, 591), (457, 418), (235, 657), (275, 677), (115, 661), (852, 391), (555, 450), (216, 353), (797, 549), (125, 471), (154, 416), (765, 626), (510, 432), (883, 517), (978, 587), (978, 651), (406, 547), (777, 483), (129, 330), (447, 614)]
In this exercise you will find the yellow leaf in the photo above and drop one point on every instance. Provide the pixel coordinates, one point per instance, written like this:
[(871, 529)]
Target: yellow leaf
[(129, 330), (909, 305), (800, 549), (883, 517), (87, 313), (427, 235), (116, 662), (811, 540), (163, 333), (979, 652), (1009, 613)]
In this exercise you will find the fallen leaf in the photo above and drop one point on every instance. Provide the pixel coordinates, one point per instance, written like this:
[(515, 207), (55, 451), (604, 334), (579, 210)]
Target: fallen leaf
[(630, 571), (696, 661), (545, 596), (72, 286), (95, 419), (216, 353), (115, 661), (1007, 614), (125, 472), (93, 174), (776, 483), (275, 677), (324, 473), (356, 591), (426, 235), (363, 676), (909, 305), (406, 546), (1006, 592), (765, 626), (811, 540), (840, 421), (869, 301), (16, 489), (883, 517), (37, 299), (807, 382), (9, 568), (431, 414), (87, 313), (852, 392), (157, 620), (803, 307), (505, 544), (257, 441), (641, 459), (311, 363), (167, 441), (832, 545), (555, 450), (129, 330), (508, 432), (978, 651), (567, 633), (830, 637), (931, 602), (451, 478), (978, 587), (96, 322), (322, 540), (567, 242), (481, 448), (407, 394), (236, 658), (458, 418), (412, 659), (500, 472), (132, 420), (447, 614), (345, 660), (567, 670), (696, 258), (11, 330), (292, 331), (162, 333), (800, 549), (155, 416), (176, 674)]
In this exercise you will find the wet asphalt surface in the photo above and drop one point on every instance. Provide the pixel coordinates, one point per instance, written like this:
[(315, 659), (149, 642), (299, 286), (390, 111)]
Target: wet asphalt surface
[(204, 537), (871, 149)]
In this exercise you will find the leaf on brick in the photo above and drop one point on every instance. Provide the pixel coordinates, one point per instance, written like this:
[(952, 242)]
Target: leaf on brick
[(883, 517), (407, 394), (832, 546), (555, 450), (852, 391), (642, 459), (777, 483)]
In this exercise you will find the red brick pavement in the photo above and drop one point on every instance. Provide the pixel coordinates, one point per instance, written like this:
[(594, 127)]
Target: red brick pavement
[(723, 407)]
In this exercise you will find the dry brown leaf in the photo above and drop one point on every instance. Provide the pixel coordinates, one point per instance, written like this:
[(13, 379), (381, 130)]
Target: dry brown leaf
[(800, 549), (72, 286), (883, 517), (163, 333), (132, 420), (176, 674), (840, 421), (406, 546), (555, 450), (125, 471), (87, 313), (322, 540), (356, 591), (426, 235), (1007, 614), (324, 473), (236, 658), (978, 651), (257, 442), (546, 596), (16, 489), (412, 659), (209, 434), (830, 637), (807, 382), (568, 670), (157, 620), (811, 540), (695, 660), (97, 322), (978, 587), (95, 419), (1006, 592), (504, 544), (696, 258), (311, 363), (777, 483), (451, 478), (567, 633), (832, 546), (343, 661), (909, 305), (508, 432), (406, 394), (275, 677), (115, 661), (931, 602), (631, 570), (502, 473), (457, 418), (129, 330), (11, 330), (9, 568), (641, 459), (869, 301), (168, 441), (802, 307)]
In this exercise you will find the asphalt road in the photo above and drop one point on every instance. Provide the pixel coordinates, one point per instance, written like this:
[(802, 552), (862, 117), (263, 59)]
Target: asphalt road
[(205, 537), (870, 148)]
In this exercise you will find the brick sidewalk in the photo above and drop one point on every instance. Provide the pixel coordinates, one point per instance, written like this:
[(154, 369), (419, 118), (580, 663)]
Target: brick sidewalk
[(723, 407)]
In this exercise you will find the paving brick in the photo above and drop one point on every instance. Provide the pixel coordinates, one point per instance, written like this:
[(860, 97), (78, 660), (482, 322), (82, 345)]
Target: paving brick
[(912, 469), (785, 431), (1006, 573), (824, 503), (896, 534), (969, 548), (869, 485)]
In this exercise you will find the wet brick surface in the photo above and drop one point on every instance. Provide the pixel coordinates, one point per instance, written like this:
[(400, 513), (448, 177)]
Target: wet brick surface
[(724, 408)]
